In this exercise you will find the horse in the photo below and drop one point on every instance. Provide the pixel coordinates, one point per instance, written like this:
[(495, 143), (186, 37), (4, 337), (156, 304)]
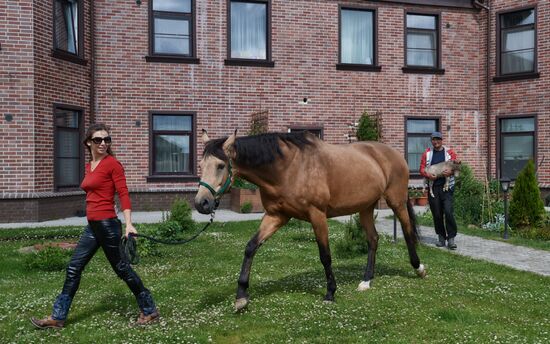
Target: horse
[(300, 176)]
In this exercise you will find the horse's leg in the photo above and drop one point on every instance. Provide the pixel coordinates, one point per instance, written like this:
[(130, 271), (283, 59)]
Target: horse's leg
[(367, 221), (318, 220), (405, 213), (270, 224)]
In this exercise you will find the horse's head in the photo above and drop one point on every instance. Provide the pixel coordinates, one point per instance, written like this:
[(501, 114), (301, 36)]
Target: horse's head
[(216, 172)]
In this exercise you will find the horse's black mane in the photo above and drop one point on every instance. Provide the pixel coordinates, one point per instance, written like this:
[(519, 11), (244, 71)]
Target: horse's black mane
[(260, 149)]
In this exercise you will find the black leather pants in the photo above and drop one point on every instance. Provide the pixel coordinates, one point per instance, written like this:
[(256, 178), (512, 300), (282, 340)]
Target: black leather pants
[(105, 234)]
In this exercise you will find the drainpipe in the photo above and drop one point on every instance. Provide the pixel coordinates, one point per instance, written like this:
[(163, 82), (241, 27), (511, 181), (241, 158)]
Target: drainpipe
[(485, 4), (92, 61)]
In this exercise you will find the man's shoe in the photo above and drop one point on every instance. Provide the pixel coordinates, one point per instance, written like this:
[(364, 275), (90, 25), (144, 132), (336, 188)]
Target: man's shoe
[(451, 244), (47, 323), (441, 242), (147, 319)]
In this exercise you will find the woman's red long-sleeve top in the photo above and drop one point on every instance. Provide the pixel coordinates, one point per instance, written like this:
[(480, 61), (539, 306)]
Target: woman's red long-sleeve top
[(100, 186)]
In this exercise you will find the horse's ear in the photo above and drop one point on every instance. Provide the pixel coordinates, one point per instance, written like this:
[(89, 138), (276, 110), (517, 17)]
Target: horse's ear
[(229, 146), (205, 137)]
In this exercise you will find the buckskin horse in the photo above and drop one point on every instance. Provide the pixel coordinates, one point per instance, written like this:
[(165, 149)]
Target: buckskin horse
[(300, 176)]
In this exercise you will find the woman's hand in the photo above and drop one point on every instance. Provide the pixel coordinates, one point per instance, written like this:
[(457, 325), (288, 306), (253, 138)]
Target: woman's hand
[(130, 229)]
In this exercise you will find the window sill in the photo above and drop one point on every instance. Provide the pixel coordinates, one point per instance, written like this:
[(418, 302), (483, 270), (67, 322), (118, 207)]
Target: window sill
[(423, 70), (172, 179), (358, 67), (63, 55), (512, 77), (249, 63), (172, 59)]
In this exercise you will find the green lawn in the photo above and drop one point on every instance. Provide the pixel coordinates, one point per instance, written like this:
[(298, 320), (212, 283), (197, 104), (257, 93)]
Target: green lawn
[(461, 301)]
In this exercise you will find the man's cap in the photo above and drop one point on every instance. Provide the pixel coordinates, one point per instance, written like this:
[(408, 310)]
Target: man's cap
[(437, 134)]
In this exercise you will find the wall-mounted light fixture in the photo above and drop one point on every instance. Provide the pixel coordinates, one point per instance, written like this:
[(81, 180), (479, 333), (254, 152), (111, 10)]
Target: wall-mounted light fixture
[(304, 101), (138, 2), (8, 117), (138, 123)]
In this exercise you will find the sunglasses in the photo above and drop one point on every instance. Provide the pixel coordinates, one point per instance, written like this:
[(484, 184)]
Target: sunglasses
[(98, 140)]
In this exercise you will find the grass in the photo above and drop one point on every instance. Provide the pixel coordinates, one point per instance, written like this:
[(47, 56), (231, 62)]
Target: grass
[(513, 238), (461, 301)]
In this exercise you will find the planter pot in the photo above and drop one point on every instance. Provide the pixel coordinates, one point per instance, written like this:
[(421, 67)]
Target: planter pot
[(422, 200), (241, 196)]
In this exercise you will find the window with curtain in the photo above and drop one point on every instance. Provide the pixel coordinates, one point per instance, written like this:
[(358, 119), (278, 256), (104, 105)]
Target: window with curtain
[(68, 157), (517, 42), (422, 40), (172, 27), (517, 145), (66, 26), (172, 143), (356, 36), (249, 30), (418, 138)]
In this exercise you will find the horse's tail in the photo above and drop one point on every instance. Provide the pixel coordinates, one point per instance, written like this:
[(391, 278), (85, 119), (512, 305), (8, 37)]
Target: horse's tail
[(412, 218)]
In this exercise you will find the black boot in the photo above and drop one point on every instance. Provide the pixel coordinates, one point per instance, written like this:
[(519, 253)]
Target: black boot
[(452, 245), (149, 312), (441, 242)]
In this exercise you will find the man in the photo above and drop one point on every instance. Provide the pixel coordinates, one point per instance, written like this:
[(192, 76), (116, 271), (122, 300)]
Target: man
[(441, 204)]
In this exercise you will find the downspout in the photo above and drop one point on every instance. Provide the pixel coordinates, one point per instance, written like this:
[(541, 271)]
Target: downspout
[(487, 6), (92, 62)]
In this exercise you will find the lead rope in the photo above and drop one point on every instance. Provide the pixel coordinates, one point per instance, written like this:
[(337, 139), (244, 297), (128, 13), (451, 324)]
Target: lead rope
[(128, 245)]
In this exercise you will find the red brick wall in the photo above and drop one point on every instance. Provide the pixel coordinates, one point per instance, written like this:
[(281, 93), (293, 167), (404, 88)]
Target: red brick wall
[(56, 81), (530, 96), (16, 96), (305, 51)]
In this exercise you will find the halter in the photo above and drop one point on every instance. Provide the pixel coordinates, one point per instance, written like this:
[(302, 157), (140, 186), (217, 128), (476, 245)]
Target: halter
[(217, 195)]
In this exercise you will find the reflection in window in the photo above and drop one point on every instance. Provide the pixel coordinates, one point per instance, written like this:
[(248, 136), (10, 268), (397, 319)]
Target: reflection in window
[(517, 144), (422, 40), (68, 157), (357, 36), (418, 139), (66, 26), (172, 138), (172, 27), (248, 30), (517, 46)]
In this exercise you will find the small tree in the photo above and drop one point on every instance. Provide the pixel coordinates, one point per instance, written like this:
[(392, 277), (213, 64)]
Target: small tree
[(526, 207), (368, 129)]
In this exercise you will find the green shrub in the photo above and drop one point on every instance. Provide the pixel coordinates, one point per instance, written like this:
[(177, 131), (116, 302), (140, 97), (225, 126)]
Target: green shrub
[(246, 207), (468, 197), (526, 207), (48, 259), (354, 242), (181, 214), (168, 230), (243, 184), (367, 130)]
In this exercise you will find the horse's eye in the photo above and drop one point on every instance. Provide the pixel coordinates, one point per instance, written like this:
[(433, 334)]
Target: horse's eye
[(221, 166)]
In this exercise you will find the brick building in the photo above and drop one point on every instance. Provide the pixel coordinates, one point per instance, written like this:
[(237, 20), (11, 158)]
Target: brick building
[(158, 71)]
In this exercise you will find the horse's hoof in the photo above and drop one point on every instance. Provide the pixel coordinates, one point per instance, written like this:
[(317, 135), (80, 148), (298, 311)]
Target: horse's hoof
[(364, 285), (241, 304), (421, 271)]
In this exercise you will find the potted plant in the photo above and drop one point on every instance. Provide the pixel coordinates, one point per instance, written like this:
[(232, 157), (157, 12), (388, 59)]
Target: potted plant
[(422, 198)]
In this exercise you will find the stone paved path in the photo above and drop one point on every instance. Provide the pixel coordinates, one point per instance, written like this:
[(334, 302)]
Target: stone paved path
[(517, 257)]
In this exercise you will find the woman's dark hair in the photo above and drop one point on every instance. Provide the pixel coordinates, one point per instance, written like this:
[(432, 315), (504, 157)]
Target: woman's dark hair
[(90, 132)]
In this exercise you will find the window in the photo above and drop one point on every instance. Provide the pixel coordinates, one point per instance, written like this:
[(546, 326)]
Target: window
[(422, 42), (357, 36), (249, 33), (68, 29), (173, 144), (69, 155), (418, 139), (517, 42), (517, 144), (172, 31), (317, 131)]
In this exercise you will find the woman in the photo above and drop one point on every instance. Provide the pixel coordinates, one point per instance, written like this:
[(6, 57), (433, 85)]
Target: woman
[(104, 176)]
